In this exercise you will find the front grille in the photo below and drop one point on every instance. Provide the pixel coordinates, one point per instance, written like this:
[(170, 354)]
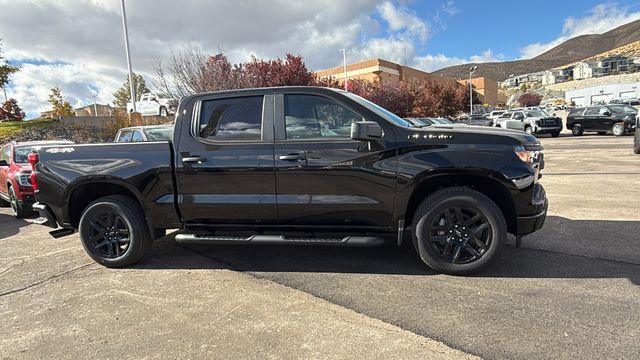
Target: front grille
[(550, 122)]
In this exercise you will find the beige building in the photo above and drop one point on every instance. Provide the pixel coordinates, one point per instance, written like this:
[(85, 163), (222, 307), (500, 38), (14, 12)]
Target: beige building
[(377, 70), (487, 90)]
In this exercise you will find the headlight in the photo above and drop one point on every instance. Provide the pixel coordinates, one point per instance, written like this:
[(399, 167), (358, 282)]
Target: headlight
[(23, 179), (527, 156)]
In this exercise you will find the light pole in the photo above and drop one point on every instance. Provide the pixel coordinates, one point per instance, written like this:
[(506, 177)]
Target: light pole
[(126, 46), (344, 64), (95, 105), (471, 71)]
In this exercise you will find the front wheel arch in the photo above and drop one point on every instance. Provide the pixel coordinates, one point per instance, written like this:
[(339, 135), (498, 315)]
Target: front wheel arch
[(492, 188)]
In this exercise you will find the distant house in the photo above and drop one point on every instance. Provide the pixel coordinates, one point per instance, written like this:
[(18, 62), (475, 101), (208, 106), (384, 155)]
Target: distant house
[(94, 110), (584, 70), (613, 64), (518, 80), (551, 77)]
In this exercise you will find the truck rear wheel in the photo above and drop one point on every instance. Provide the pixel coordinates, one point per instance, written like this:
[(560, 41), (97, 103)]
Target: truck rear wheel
[(576, 130), (163, 111), (113, 231), (458, 231)]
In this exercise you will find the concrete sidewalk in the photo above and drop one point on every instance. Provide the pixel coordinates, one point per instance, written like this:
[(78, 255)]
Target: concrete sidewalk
[(56, 303)]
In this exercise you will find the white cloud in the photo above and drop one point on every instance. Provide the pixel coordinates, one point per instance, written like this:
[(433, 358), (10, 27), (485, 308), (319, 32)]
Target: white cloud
[(401, 19), (601, 18), (439, 61)]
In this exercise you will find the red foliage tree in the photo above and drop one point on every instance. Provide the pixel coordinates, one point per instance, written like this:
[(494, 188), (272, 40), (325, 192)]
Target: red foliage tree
[(10, 111), (529, 99)]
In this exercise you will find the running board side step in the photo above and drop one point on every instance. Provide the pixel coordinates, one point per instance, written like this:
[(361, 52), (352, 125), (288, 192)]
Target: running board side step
[(354, 241)]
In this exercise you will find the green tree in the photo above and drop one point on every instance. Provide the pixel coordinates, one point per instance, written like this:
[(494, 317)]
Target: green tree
[(59, 106), (122, 96), (6, 70)]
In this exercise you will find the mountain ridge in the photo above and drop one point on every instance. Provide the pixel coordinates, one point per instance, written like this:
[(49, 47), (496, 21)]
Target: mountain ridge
[(571, 51)]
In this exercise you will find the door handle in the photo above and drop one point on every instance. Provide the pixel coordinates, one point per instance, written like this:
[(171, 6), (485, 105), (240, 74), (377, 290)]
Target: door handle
[(194, 159), (293, 157)]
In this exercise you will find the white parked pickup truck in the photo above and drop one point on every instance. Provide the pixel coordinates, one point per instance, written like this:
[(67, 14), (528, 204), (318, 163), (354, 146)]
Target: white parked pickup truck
[(153, 104)]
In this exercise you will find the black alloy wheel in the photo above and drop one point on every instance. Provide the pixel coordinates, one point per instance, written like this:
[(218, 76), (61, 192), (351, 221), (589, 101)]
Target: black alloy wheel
[(460, 235), (114, 232), (16, 208), (109, 234), (458, 230), (576, 130)]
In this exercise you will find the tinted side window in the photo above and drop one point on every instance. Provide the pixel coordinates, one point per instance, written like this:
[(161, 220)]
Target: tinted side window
[(592, 110), (125, 136), (231, 119), (316, 117), (137, 136), (576, 112), (4, 153)]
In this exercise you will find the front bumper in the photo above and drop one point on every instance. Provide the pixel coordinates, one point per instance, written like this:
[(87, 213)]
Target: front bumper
[(531, 223), (548, 130)]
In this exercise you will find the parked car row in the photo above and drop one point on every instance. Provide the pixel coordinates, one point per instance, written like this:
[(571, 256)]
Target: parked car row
[(154, 104)]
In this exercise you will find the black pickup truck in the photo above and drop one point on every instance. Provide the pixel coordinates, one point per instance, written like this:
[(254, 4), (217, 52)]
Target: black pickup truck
[(299, 166)]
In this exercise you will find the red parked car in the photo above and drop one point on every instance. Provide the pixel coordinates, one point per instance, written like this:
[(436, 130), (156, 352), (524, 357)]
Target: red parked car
[(15, 172)]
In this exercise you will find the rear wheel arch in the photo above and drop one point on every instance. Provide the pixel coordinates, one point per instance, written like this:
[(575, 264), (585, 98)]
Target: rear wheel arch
[(84, 194), (492, 188)]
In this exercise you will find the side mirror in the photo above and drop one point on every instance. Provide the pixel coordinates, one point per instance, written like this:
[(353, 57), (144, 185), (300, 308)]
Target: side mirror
[(4, 163), (607, 113), (366, 131)]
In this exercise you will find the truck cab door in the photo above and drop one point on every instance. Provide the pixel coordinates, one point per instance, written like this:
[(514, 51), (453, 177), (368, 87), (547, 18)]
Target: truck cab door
[(224, 161), (325, 179)]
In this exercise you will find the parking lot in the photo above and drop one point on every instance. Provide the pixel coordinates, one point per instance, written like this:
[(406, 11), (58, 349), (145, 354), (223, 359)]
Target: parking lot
[(571, 291)]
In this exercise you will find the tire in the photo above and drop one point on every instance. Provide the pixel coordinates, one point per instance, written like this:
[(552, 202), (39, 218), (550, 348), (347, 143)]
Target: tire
[(163, 111), (528, 130), (555, 134), (636, 142), (577, 130), (437, 214), (602, 133), (114, 232), (617, 129), (18, 210)]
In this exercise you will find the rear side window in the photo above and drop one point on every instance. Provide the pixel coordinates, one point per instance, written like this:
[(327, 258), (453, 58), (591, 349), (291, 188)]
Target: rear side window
[(137, 136), (593, 111), (231, 119), (576, 112), (5, 153), (125, 136), (316, 117)]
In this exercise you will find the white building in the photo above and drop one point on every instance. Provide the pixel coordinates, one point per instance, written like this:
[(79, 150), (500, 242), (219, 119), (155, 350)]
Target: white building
[(602, 93), (548, 78), (583, 70)]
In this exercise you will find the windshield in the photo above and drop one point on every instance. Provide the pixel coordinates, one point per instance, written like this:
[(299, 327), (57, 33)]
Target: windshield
[(442, 121), (159, 134), (380, 110), (536, 113), (623, 109), (20, 154)]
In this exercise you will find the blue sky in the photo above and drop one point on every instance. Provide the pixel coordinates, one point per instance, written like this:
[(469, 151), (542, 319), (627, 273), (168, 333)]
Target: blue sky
[(77, 45), (471, 27)]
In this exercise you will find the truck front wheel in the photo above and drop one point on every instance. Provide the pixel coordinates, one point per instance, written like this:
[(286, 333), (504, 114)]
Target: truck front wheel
[(163, 111), (113, 231), (458, 230)]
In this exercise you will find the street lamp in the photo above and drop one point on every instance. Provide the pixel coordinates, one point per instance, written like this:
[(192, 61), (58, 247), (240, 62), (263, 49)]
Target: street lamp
[(344, 64), (126, 46), (471, 71)]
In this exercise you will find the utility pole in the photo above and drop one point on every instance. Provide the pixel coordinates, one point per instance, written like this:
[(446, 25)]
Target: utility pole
[(95, 106), (126, 46), (344, 64), (471, 71)]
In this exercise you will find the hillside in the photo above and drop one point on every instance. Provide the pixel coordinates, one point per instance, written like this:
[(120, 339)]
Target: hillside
[(629, 50), (572, 50)]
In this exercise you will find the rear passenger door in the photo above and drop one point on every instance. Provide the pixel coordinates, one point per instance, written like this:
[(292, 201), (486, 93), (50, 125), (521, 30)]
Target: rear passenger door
[(591, 118), (225, 167), (324, 179)]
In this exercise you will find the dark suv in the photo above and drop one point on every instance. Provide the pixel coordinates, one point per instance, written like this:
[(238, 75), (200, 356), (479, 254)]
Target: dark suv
[(619, 119), (15, 171)]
